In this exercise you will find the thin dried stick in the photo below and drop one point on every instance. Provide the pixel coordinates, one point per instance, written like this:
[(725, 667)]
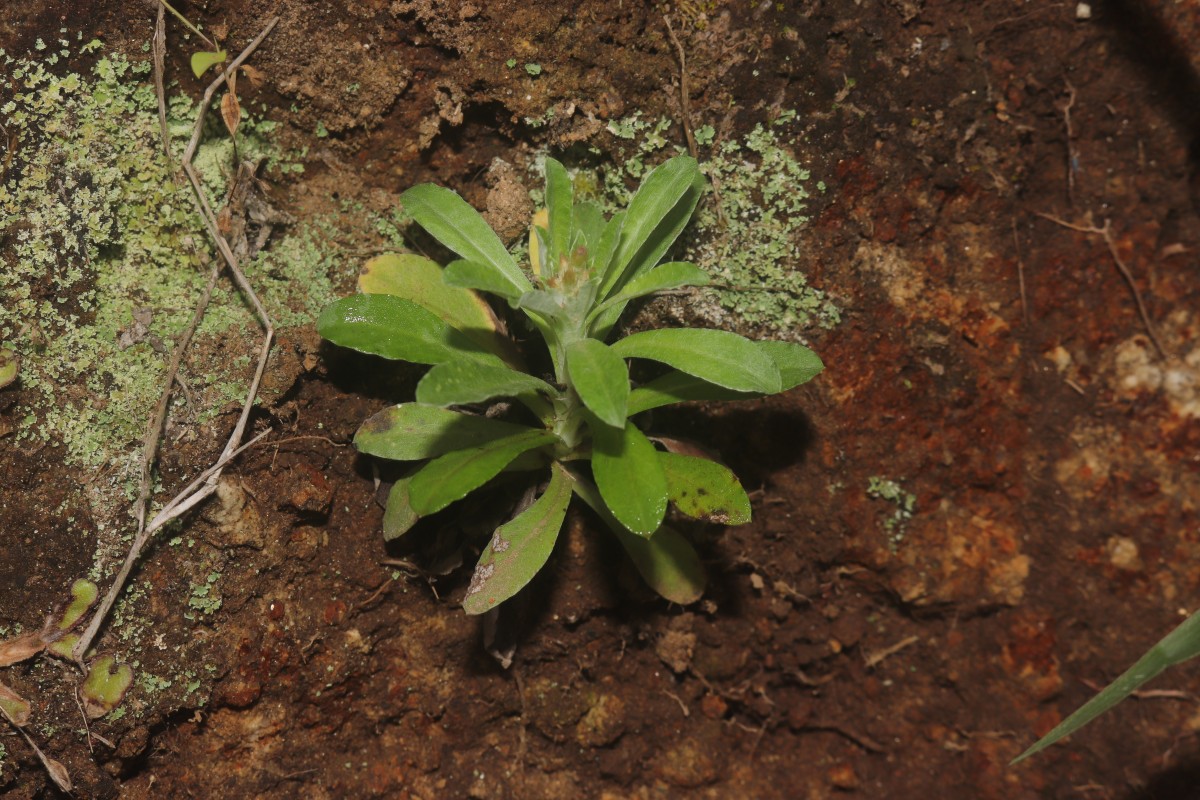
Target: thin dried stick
[(1066, 112), (684, 99), (1020, 271), (1106, 234), (204, 485), (159, 47)]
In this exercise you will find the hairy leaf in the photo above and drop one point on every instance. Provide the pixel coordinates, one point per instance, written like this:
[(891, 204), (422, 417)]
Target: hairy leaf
[(629, 477), (394, 328), (519, 548), (473, 275), (589, 222), (454, 475), (666, 560), (797, 364), (422, 281), (460, 382), (652, 203), (451, 220), (719, 357), (398, 516), (560, 197), (542, 302), (679, 387), (601, 379), (704, 489), (1178, 646), (414, 431)]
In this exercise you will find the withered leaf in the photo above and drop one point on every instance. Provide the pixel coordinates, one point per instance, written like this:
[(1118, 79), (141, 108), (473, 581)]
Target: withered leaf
[(15, 707), (231, 111)]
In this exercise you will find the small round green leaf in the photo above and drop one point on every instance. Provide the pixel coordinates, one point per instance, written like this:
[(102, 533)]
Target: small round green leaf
[(601, 379)]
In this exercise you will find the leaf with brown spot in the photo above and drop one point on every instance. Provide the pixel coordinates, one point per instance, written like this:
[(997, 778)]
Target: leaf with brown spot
[(704, 489)]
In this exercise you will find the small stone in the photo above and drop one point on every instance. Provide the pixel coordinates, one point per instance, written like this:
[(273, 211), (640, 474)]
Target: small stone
[(1123, 553), (1083, 11), (842, 776)]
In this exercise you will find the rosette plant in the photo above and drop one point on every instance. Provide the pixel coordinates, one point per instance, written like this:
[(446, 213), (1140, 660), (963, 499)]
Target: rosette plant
[(574, 423)]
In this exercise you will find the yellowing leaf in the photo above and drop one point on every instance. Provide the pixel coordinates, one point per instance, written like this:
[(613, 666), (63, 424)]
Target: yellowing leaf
[(204, 59)]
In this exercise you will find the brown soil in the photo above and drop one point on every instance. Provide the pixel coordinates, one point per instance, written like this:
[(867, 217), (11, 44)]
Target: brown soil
[(1051, 450)]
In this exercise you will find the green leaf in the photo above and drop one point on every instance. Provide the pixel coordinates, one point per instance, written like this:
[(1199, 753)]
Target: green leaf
[(412, 432), (601, 379), (105, 686), (1178, 646), (560, 197), (395, 328), (704, 489), (398, 517), (9, 364), (520, 548), (666, 560), (460, 382), (610, 238), (659, 193), (589, 222), (202, 60), (797, 364), (542, 302), (451, 220), (629, 477), (665, 234), (416, 278), (671, 275), (679, 387), (473, 275), (719, 357), (455, 475)]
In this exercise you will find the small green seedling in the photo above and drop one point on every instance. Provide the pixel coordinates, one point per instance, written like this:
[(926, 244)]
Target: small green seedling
[(105, 686), (202, 60), (1181, 644), (576, 424)]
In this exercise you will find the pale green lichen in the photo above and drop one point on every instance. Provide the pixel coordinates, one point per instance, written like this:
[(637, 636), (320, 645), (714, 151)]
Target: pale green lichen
[(904, 503), (93, 226)]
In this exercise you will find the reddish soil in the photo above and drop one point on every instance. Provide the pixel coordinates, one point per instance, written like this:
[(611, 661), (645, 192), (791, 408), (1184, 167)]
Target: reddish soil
[(993, 359)]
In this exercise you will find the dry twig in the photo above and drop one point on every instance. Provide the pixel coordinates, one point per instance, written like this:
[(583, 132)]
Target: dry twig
[(1106, 234), (684, 99), (205, 484)]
